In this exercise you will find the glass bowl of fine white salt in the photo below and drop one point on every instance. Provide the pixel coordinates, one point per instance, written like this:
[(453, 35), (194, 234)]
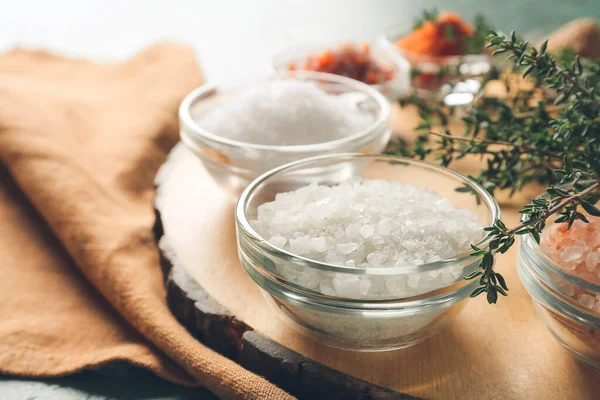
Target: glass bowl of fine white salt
[(363, 252), (241, 130)]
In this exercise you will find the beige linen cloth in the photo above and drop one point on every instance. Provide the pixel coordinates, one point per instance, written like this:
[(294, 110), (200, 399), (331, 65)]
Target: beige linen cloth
[(80, 283)]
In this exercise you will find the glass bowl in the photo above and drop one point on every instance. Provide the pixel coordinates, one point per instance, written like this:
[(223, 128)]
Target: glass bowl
[(406, 313), (392, 89), (550, 272), (574, 326), (234, 164), (455, 80)]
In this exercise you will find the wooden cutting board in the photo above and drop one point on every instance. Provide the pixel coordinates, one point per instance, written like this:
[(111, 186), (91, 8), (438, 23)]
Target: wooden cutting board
[(500, 351)]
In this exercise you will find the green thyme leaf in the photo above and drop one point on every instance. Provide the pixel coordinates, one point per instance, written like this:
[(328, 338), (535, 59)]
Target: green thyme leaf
[(590, 208)]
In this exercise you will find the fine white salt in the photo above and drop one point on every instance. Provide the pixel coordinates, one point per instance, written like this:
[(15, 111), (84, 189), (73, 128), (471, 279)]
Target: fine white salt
[(286, 112), (369, 224)]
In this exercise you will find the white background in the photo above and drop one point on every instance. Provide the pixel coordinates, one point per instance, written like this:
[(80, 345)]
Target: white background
[(235, 38)]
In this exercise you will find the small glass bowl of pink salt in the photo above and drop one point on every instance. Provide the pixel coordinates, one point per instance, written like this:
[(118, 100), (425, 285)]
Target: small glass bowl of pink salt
[(562, 274), (578, 251)]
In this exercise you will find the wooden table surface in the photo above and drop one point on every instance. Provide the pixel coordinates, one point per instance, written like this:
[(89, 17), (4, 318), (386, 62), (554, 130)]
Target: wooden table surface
[(500, 351), (236, 38)]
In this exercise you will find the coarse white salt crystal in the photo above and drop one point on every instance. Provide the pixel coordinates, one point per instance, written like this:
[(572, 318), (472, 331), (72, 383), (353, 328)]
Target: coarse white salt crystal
[(370, 224), (383, 227), (456, 273), (365, 285), (285, 112), (375, 260), (278, 241), (289, 271), (319, 244), (433, 274), (309, 279), (346, 248), (395, 284), (444, 204), (447, 278), (367, 231), (326, 287), (353, 230), (300, 245), (413, 281), (347, 285)]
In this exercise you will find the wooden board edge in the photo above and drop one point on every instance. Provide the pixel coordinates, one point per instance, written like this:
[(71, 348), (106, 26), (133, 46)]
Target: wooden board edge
[(213, 325)]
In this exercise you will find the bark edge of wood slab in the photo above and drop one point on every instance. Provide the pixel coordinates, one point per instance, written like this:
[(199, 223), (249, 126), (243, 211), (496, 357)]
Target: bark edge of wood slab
[(213, 325)]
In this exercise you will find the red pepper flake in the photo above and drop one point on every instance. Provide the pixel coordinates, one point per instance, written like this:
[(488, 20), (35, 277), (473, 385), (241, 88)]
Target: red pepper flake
[(352, 61)]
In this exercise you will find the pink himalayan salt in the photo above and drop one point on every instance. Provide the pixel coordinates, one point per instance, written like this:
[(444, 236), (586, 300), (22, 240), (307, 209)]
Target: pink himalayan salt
[(577, 250), (591, 261)]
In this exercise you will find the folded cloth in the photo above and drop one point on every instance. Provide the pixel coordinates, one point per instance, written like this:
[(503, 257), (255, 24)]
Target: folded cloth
[(80, 283)]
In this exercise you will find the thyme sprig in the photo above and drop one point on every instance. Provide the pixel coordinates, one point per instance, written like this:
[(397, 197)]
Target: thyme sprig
[(546, 129), (536, 214)]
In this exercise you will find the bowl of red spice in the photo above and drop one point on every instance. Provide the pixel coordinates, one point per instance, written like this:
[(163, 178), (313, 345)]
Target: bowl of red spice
[(385, 72), (446, 54)]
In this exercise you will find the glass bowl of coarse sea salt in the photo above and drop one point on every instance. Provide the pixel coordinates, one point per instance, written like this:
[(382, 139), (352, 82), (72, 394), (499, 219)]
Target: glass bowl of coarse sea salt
[(242, 130), (363, 252)]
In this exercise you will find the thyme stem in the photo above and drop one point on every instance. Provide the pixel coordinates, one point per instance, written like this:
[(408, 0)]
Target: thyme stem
[(467, 139), (523, 149), (566, 201)]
